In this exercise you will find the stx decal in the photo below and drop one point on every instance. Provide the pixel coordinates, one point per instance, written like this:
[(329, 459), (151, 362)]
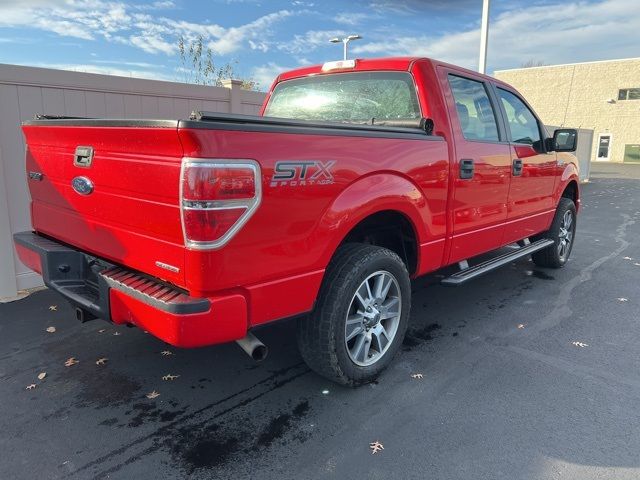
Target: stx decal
[(301, 173)]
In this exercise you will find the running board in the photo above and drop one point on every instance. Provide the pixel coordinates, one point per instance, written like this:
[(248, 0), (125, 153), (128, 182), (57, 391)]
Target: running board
[(472, 272)]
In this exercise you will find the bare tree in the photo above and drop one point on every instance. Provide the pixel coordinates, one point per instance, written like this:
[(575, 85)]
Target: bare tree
[(198, 65), (533, 63)]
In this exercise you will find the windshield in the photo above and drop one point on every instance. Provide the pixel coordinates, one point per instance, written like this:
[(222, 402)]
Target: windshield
[(346, 97)]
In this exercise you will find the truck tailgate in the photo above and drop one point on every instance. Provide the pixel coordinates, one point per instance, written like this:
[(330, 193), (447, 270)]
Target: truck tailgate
[(131, 214)]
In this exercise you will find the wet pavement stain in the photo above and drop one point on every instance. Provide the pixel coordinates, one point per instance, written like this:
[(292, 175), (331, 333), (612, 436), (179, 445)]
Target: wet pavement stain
[(150, 413), (415, 336), (212, 445), (279, 425), (106, 389), (211, 448)]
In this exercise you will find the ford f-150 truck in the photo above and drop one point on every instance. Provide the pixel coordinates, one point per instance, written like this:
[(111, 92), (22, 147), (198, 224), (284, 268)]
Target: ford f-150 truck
[(356, 177)]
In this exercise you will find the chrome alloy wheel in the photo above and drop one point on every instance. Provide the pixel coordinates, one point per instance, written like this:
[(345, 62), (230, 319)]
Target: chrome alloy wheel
[(565, 235), (373, 318)]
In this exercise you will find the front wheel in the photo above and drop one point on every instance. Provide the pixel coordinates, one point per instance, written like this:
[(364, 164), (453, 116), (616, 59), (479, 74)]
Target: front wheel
[(562, 232), (361, 315)]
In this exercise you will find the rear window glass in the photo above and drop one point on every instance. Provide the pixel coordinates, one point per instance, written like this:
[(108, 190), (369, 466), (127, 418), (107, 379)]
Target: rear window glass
[(346, 97)]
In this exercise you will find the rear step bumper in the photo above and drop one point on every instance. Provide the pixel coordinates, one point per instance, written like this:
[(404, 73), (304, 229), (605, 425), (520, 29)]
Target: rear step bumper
[(123, 296), (472, 272)]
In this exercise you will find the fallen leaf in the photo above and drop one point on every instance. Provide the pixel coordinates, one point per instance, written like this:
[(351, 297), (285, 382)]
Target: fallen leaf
[(102, 330), (170, 377), (579, 344), (42, 375), (375, 447), (622, 299), (117, 333), (521, 325), (51, 329), (102, 361), (53, 307), (31, 387), (71, 361), (153, 394), (417, 376), (166, 353)]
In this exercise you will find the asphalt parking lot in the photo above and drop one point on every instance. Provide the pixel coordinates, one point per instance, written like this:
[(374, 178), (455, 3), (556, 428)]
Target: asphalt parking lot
[(527, 373)]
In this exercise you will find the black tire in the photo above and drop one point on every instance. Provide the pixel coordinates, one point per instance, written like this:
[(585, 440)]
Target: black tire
[(322, 337), (551, 257)]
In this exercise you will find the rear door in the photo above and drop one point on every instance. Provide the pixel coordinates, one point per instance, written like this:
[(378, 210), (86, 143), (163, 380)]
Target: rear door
[(482, 165), (533, 172)]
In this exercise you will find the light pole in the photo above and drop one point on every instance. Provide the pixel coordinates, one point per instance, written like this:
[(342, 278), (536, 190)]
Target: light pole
[(484, 37), (345, 41)]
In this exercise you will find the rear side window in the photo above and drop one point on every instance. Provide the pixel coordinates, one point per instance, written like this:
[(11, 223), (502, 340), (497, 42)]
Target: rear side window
[(475, 113), (521, 121), (346, 97)]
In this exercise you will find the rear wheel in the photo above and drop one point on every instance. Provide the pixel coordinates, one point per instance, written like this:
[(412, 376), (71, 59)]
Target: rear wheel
[(562, 232), (360, 317)]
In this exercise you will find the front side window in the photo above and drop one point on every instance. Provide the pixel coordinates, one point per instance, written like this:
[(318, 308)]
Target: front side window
[(475, 113), (346, 97), (521, 121)]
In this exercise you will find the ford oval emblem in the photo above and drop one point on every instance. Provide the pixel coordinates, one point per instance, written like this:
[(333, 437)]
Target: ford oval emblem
[(82, 185)]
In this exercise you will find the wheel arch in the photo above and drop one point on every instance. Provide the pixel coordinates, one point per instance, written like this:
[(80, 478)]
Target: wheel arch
[(370, 203), (569, 186)]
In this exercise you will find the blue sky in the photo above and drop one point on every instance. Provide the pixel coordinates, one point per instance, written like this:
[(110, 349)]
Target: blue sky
[(139, 38)]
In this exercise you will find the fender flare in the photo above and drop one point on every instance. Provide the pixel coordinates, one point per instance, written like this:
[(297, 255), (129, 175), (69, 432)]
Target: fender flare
[(569, 174), (369, 195)]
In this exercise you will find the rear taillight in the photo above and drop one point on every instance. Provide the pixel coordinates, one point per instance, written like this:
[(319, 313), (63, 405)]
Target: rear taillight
[(217, 199)]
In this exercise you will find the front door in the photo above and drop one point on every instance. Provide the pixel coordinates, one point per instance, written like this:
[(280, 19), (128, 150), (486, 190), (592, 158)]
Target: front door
[(481, 169), (533, 171), (604, 147)]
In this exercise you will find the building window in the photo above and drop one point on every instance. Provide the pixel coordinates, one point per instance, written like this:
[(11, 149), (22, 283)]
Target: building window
[(629, 94)]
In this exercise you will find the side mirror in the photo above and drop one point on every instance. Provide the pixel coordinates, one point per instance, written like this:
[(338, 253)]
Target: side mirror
[(564, 140)]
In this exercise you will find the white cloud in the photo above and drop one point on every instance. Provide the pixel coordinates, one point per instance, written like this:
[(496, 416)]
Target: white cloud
[(310, 41), (352, 18), (161, 5), (128, 64), (153, 43), (133, 24), (560, 33), (232, 39)]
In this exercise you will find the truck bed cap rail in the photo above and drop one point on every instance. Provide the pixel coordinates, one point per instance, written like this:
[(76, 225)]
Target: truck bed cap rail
[(425, 125)]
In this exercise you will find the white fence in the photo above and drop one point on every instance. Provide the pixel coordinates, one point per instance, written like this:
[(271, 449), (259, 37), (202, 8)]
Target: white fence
[(25, 91)]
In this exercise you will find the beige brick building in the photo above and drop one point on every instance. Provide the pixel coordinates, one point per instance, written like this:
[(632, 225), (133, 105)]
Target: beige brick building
[(603, 96)]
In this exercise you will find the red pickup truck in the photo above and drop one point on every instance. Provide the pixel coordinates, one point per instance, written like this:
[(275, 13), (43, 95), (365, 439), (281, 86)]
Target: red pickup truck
[(357, 177)]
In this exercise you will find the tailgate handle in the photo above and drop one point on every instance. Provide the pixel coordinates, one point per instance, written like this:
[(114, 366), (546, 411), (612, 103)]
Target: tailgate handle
[(83, 156), (466, 169)]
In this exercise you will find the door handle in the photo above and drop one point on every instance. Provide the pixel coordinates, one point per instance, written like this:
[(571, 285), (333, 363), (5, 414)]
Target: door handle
[(517, 167), (466, 168)]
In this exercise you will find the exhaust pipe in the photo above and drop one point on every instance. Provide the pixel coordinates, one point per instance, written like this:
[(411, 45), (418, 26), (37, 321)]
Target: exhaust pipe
[(253, 347)]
